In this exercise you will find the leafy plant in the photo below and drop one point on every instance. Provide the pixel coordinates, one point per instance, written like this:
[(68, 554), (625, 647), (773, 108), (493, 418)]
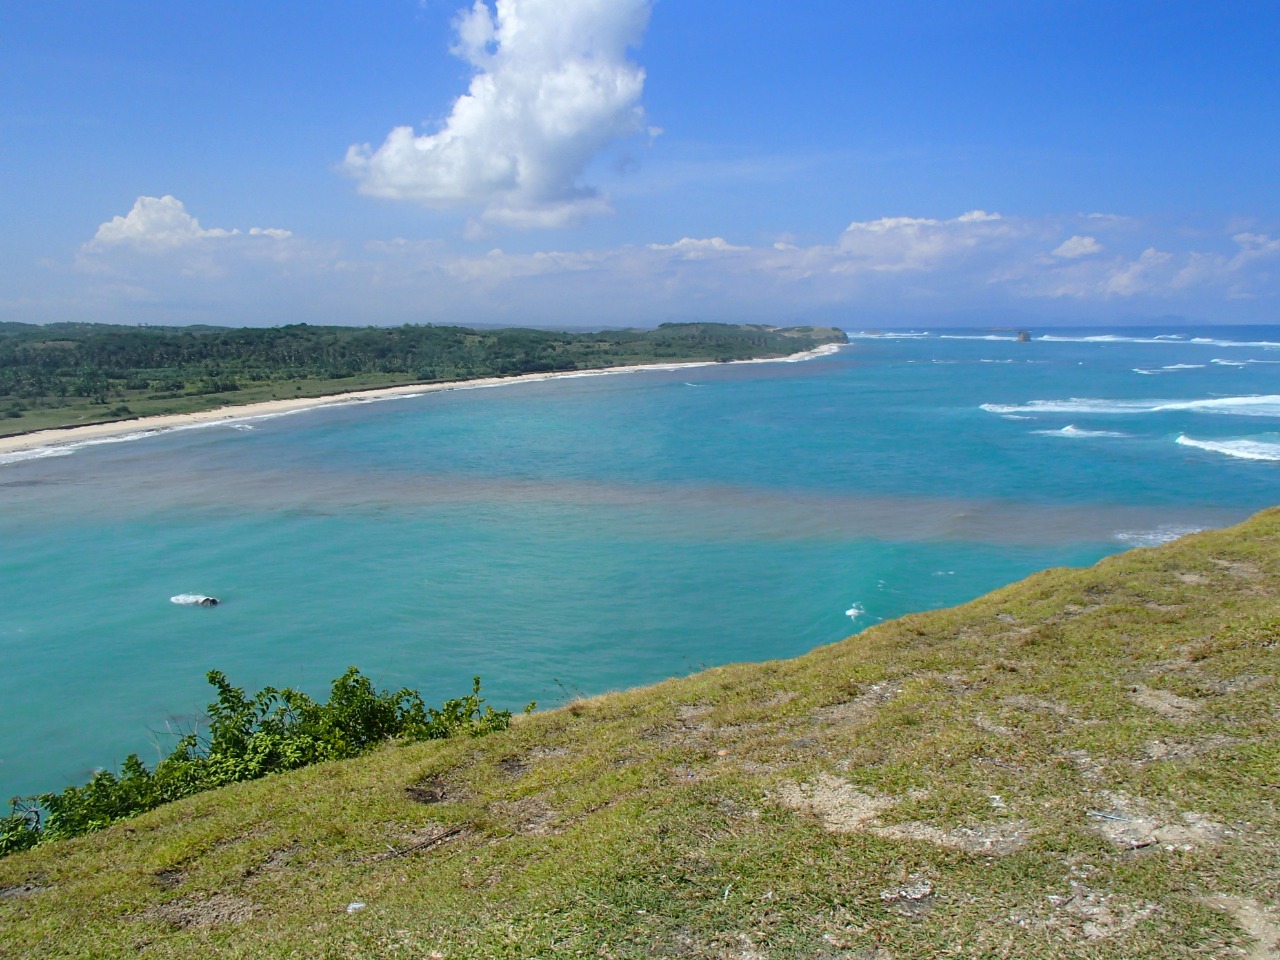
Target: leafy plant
[(250, 737)]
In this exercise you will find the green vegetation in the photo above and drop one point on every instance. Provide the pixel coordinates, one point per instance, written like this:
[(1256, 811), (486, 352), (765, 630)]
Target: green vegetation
[(1081, 765), (65, 374), (249, 737)]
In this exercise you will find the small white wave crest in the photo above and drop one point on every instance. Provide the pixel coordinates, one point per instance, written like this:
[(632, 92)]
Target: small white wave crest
[(1071, 430), (855, 611)]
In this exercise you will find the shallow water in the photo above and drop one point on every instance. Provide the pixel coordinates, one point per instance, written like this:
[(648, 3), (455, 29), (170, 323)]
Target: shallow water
[(572, 536)]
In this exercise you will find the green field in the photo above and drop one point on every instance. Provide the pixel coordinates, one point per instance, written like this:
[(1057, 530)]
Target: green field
[(1083, 764), (64, 375)]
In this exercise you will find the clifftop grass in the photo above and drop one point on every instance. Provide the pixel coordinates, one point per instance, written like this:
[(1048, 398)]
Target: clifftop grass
[(1083, 764)]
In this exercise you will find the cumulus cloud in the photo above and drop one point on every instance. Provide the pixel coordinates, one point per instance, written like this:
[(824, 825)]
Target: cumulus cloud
[(694, 249), (553, 86), (163, 222), (1077, 246), (918, 243), (159, 262)]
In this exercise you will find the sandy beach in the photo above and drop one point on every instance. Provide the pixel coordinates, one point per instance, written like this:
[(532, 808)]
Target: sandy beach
[(88, 433)]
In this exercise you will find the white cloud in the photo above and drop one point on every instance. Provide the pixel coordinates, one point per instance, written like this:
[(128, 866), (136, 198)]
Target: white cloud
[(160, 222), (914, 243), (693, 249), (1077, 246), (553, 86), (158, 263)]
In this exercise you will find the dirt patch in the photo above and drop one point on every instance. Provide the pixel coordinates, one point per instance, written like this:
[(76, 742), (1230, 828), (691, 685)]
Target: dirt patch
[(1088, 767), (1195, 579), (1086, 914), (548, 753), (1241, 683), (913, 899), (1072, 610), (434, 790), (1262, 927), (1130, 824), (987, 725), (202, 911), (692, 711), (779, 699), (529, 816), (169, 879), (842, 808), (513, 766), (1173, 750), (22, 891), (419, 840), (1240, 569), (862, 706), (993, 839), (1037, 705), (1168, 705)]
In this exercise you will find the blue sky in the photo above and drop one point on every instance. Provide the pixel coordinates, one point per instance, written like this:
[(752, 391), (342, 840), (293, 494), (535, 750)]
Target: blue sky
[(585, 162)]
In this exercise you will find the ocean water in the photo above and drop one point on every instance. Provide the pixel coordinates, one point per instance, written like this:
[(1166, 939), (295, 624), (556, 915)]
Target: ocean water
[(573, 536)]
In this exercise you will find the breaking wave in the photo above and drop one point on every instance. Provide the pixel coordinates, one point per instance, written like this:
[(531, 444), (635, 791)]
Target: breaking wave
[(1163, 338), (1257, 406), (1070, 430), (1154, 538), (1242, 449)]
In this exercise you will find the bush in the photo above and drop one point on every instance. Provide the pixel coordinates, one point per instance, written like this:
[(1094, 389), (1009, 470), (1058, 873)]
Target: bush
[(250, 737)]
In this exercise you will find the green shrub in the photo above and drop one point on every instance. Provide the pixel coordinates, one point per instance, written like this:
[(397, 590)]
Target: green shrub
[(250, 737)]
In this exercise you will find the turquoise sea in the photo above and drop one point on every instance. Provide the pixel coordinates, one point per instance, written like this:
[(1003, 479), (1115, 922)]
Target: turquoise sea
[(572, 536)]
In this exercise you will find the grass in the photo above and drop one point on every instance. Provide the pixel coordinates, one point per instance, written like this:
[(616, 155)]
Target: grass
[(1083, 764)]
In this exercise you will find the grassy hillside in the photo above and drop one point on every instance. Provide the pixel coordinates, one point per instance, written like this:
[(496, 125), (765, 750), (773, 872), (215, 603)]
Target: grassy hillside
[(1084, 764)]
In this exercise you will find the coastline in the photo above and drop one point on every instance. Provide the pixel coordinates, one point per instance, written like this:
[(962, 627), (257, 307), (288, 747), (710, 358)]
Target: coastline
[(64, 437)]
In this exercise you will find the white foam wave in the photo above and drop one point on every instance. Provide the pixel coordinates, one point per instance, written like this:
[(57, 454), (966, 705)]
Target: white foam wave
[(1171, 368), (1070, 430), (988, 336), (889, 335), (855, 611), (66, 449), (191, 600), (1163, 338), (38, 453), (1241, 449), (1154, 538), (1255, 406)]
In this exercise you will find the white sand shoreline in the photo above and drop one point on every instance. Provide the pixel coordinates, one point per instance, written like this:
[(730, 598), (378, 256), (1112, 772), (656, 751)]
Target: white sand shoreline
[(64, 437)]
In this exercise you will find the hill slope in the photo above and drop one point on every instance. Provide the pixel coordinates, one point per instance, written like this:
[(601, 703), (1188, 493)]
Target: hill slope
[(1084, 764)]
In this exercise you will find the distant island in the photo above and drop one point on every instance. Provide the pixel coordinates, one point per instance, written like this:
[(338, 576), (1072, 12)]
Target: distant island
[(71, 374)]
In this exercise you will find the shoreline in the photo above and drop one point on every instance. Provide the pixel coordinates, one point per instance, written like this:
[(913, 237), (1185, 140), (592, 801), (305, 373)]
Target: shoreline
[(52, 440)]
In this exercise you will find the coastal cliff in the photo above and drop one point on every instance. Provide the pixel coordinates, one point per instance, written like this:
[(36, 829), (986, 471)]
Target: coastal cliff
[(1085, 763)]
